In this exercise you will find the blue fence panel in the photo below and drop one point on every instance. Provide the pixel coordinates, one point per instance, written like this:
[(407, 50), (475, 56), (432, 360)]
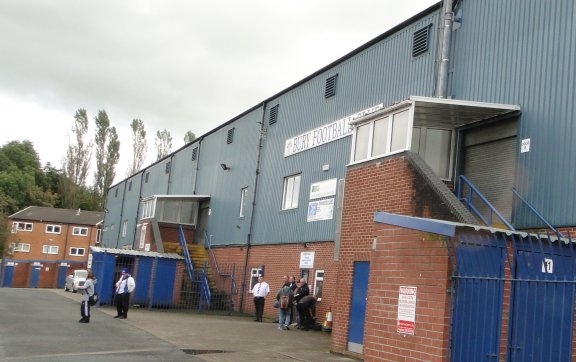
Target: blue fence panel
[(143, 280), (164, 285)]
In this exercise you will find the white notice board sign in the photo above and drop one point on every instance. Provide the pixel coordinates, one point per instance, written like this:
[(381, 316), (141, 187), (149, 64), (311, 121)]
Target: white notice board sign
[(307, 260), (406, 310)]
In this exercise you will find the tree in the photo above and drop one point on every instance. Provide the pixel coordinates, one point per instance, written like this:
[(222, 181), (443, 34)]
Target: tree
[(20, 177), (77, 162), (139, 146), (107, 155), (189, 137), (163, 144)]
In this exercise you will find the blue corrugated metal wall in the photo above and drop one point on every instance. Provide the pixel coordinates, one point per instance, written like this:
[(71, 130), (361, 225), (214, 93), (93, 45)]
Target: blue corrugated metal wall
[(522, 52)]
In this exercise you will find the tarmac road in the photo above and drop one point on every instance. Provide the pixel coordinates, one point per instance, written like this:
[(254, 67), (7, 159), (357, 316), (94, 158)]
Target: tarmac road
[(42, 325)]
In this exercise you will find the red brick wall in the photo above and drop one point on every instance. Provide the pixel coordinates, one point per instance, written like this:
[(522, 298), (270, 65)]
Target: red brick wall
[(280, 260), (392, 185)]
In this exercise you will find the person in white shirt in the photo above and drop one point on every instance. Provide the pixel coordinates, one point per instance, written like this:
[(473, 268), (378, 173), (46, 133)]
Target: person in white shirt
[(124, 286), (260, 291)]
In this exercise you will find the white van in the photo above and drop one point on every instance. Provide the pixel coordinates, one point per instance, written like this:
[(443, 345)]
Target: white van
[(79, 278)]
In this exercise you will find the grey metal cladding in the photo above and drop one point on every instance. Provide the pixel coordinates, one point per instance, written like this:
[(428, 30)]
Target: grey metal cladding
[(158, 179), (183, 177), (224, 186), (383, 73), (130, 211), (522, 52)]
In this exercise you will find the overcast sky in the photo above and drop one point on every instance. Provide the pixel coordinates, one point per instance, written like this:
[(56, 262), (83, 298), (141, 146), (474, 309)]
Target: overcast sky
[(176, 65)]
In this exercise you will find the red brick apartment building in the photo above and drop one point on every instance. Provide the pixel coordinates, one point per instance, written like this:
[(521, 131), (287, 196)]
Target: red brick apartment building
[(45, 244)]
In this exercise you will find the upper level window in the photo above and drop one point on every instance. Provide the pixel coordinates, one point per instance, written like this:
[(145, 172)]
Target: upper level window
[(381, 136), (24, 247), (53, 229), (434, 145), (148, 207), (79, 231), (49, 249), (21, 226), (243, 200), (291, 192), (77, 251)]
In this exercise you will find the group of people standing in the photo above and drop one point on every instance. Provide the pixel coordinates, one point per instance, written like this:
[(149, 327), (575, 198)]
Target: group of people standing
[(123, 288), (293, 301)]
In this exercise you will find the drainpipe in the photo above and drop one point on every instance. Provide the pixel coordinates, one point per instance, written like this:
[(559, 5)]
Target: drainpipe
[(197, 164), (121, 214), (138, 208), (448, 17), (248, 240)]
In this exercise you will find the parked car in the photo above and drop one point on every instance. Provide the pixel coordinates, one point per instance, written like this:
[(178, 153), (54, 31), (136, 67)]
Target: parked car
[(73, 281)]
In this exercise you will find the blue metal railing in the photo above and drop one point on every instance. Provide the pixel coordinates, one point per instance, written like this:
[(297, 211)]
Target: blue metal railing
[(205, 294), (540, 216), (467, 199)]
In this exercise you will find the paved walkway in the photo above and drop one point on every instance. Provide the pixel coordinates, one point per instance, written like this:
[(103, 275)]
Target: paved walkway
[(225, 338)]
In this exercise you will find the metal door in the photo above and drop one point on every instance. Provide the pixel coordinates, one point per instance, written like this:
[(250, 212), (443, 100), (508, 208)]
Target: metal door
[(543, 302), (7, 274), (358, 306), (477, 300), (62, 272), (35, 276)]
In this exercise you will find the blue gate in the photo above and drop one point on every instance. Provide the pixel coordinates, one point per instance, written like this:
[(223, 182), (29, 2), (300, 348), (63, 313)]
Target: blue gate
[(543, 293), (358, 306), (537, 271), (478, 288)]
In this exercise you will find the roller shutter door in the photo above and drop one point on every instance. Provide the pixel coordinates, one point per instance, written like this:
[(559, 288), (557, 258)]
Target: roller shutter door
[(490, 165)]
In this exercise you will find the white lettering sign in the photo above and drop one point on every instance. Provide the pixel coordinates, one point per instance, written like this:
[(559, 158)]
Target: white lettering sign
[(326, 133), (406, 310), (547, 266), (525, 145)]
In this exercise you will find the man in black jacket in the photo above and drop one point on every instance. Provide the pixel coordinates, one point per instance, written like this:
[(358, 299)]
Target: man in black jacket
[(307, 312), (302, 291)]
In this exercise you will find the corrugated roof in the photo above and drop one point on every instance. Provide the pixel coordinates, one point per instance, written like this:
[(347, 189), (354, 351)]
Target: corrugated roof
[(152, 254), (449, 228), (62, 216)]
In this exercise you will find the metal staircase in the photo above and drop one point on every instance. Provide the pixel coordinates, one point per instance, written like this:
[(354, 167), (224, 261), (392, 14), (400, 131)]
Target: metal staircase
[(198, 277)]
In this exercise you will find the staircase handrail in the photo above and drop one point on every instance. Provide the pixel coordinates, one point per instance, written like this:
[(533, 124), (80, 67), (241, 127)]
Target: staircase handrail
[(540, 216), (208, 245), (184, 247), (205, 293), (468, 201)]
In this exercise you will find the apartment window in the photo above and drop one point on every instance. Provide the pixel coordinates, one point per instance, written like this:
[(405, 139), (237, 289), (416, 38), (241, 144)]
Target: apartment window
[(21, 226), (53, 229), (254, 274), (49, 249), (230, 137), (79, 231), (23, 247), (77, 251), (318, 284), (243, 198), (291, 192), (382, 136), (124, 228)]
